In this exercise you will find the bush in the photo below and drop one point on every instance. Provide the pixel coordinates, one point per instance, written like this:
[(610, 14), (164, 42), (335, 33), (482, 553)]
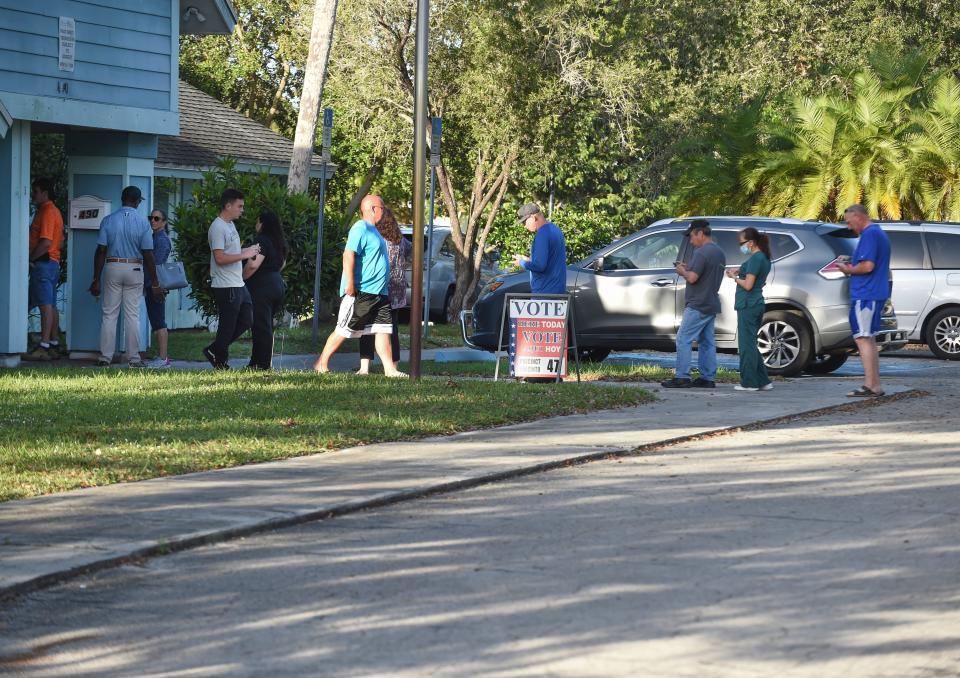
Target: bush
[(263, 191)]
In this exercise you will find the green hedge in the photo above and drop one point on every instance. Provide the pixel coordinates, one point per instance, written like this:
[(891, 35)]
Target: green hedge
[(263, 191)]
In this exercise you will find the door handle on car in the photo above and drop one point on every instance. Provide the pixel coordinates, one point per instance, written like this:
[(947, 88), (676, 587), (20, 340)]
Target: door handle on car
[(662, 282)]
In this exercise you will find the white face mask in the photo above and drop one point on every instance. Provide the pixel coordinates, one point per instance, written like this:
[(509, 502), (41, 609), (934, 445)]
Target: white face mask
[(745, 248)]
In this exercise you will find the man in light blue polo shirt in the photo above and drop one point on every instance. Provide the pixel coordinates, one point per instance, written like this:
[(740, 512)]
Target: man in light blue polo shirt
[(124, 247)]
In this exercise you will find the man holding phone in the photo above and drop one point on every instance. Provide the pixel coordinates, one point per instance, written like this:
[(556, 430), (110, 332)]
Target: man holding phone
[(547, 262), (869, 272), (703, 275)]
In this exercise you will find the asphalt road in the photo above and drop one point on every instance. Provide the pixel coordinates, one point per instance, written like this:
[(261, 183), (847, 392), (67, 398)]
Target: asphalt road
[(827, 547)]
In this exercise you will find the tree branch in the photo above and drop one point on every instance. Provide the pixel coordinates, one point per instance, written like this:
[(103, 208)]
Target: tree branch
[(376, 169)]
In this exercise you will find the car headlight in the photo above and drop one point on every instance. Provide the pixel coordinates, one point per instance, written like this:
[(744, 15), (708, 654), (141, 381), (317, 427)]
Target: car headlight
[(887, 308)]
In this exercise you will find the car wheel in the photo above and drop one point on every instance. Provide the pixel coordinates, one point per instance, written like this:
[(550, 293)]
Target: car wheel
[(445, 313), (943, 334), (825, 363), (785, 343)]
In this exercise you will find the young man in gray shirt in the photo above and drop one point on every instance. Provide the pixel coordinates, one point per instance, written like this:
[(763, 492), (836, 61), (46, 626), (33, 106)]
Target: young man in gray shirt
[(703, 274), (234, 306)]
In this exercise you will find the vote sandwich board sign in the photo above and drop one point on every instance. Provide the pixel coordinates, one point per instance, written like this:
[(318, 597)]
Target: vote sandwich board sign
[(538, 337)]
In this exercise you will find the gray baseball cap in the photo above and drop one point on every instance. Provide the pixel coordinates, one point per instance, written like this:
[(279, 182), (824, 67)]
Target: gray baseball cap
[(527, 211)]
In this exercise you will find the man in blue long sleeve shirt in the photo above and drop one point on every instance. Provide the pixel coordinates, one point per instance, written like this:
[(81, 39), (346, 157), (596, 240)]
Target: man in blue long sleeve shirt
[(547, 262)]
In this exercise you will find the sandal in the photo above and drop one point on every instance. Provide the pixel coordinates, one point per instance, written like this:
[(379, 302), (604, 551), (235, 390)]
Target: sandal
[(864, 392)]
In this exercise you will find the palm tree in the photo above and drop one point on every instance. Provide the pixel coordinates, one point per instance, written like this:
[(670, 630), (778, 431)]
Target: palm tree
[(832, 151), (935, 152)]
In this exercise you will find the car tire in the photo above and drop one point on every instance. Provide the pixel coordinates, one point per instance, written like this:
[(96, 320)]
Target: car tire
[(825, 363), (445, 312), (943, 334), (785, 342)]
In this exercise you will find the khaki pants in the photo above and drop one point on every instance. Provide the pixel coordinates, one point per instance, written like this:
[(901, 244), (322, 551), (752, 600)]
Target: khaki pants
[(122, 286)]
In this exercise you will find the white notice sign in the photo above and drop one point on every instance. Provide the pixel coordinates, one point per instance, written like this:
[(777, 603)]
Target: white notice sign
[(68, 43)]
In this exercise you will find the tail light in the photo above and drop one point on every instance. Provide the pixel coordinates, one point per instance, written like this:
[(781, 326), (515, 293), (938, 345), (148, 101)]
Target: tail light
[(831, 271)]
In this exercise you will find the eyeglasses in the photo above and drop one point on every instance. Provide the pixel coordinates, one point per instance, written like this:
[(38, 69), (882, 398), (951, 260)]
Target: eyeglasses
[(156, 218)]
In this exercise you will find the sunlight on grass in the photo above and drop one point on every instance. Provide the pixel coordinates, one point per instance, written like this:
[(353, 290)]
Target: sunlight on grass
[(67, 428)]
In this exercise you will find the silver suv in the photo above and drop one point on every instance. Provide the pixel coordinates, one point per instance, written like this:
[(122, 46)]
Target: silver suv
[(628, 296), (925, 260)]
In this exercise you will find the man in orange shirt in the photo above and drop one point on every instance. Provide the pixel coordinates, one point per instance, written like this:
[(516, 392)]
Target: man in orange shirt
[(46, 238)]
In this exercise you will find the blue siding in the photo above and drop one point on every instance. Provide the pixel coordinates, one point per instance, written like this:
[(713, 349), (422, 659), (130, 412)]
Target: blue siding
[(125, 54)]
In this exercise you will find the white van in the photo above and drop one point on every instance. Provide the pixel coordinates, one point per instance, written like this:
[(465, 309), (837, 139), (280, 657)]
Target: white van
[(925, 263)]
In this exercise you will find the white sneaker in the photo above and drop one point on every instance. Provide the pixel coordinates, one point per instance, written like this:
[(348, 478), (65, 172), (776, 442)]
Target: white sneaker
[(160, 364), (738, 387), (766, 387)]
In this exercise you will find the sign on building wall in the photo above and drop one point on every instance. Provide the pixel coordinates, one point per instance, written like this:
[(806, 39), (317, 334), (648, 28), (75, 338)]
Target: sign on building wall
[(538, 337), (68, 43)]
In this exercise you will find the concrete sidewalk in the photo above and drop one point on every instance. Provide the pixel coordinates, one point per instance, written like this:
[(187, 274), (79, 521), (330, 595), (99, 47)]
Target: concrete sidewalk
[(47, 538)]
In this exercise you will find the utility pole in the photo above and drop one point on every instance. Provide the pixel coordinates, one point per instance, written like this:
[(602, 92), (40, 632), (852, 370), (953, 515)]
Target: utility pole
[(420, 114)]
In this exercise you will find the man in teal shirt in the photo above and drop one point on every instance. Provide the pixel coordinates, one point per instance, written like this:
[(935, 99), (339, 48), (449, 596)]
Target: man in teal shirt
[(364, 304)]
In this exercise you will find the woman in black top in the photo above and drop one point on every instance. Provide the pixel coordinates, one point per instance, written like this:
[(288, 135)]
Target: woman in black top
[(262, 274)]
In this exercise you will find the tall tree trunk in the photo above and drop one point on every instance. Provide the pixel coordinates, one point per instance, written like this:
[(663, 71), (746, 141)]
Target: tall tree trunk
[(321, 37)]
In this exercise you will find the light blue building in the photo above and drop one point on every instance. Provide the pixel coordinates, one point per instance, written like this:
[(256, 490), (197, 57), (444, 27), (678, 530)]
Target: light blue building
[(105, 74)]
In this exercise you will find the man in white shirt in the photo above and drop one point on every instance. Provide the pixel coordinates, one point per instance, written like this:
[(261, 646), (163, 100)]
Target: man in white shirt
[(234, 306)]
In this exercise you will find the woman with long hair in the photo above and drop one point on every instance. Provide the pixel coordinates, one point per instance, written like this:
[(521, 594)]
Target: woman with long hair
[(156, 310), (399, 252), (750, 279), (262, 275)]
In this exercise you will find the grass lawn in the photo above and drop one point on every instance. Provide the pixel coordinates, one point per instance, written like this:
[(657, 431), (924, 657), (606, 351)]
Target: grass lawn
[(62, 429), (588, 371), (187, 344)]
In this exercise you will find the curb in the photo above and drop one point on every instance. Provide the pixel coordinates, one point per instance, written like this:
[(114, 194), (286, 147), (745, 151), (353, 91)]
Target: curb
[(8, 593)]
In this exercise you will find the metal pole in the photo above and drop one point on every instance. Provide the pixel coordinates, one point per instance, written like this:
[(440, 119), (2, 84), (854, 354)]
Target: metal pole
[(316, 279), (420, 113), (426, 295), (550, 207)]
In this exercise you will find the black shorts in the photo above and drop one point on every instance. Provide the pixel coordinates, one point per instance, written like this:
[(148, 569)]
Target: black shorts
[(364, 314)]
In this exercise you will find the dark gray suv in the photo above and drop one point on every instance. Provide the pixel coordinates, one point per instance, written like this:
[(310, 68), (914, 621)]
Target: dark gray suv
[(627, 295)]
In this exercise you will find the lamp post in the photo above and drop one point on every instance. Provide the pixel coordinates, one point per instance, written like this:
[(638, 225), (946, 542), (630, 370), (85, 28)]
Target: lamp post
[(420, 114)]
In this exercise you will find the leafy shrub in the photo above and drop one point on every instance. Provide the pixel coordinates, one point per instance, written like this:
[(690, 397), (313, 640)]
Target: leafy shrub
[(298, 214)]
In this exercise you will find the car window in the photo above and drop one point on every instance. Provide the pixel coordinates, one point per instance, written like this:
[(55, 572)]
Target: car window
[(906, 249), (490, 259), (650, 252), (729, 242), (447, 249), (781, 245), (944, 249)]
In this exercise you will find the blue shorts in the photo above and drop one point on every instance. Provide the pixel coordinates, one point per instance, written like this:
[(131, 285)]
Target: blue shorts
[(156, 311), (44, 279), (865, 317)]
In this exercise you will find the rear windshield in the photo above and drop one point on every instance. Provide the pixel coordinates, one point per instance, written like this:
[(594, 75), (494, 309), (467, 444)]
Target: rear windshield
[(839, 238)]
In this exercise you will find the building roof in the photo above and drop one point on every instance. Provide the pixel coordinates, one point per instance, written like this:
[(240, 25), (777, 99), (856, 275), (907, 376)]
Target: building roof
[(210, 130)]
